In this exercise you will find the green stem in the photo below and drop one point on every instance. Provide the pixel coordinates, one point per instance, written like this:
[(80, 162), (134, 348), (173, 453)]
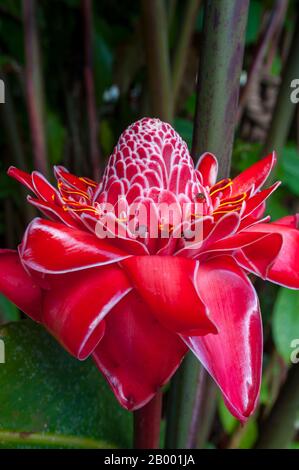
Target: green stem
[(34, 86), (157, 57), (90, 90), (279, 429), (204, 411), (180, 404), (147, 424), (51, 440), (284, 109), (219, 79)]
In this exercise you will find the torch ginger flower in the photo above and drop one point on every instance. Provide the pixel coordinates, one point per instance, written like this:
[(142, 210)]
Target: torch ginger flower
[(136, 301)]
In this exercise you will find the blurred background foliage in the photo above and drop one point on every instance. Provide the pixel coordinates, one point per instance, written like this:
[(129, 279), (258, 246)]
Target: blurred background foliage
[(89, 74)]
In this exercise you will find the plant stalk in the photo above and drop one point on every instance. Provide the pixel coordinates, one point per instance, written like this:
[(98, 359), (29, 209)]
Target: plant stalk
[(90, 90), (157, 58), (218, 82), (34, 86), (147, 424), (279, 429)]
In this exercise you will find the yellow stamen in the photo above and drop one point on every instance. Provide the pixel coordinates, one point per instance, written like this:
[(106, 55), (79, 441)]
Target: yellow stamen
[(82, 209), (221, 188), (79, 193), (227, 202), (88, 182)]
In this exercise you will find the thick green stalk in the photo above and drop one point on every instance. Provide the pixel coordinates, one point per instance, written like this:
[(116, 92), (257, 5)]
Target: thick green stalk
[(279, 429), (216, 111), (147, 424), (284, 109), (220, 66), (157, 59), (180, 403), (34, 86)]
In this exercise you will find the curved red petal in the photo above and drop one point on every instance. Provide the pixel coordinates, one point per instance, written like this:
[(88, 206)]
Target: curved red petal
[(52, 247), (76, 304), (22, 177), (137, 355), (254, 251), (54, 212), (208, 167), (18, 286), (285, 269), (69, 179), (253, 177), (258, 256), (43, 188), (254, 202), (166, 284), (234, 356), (289, 220)]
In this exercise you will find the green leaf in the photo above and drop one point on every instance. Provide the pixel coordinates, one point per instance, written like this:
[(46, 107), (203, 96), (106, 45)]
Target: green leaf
[(191, 104), (49, 399), (254, 21), (286, 321), (289, 164), (245, 154), (8, 311), (228, 421)]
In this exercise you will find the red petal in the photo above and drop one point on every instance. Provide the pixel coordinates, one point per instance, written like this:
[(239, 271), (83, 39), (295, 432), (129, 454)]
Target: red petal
[(52, 247), (69, 179), (18, 286), (254, 176), (289, 220), (166, 284), (208, 167), (253, 203), (54, 212), (258, 256), (76, 304), (285, 269), (21, 176), (234, 356), (224, 227), (137, 355), (43, 188)]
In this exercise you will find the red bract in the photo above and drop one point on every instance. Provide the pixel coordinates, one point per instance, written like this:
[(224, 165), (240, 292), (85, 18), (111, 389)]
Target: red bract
[(137, 299)]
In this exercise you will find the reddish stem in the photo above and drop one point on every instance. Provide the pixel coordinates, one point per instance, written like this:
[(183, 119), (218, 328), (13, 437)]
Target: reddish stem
[(90, 89), (34, 86), (147, 424)]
